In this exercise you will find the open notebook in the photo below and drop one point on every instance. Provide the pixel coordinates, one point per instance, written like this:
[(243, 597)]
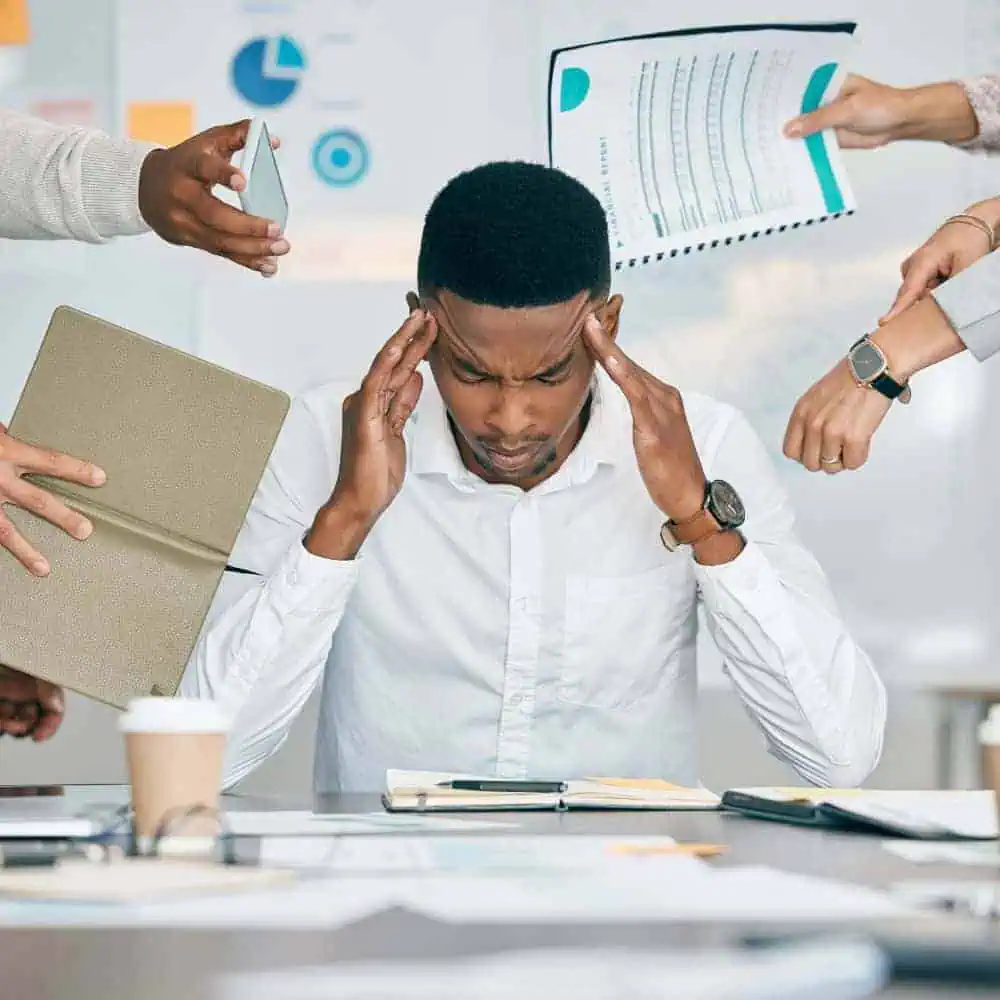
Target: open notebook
[(184, 444), (427, 791), (919, 815), (679, 134)]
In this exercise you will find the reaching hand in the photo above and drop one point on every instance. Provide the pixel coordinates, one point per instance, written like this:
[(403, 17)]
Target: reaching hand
[(17, 459), (372, 451), (28, 706), (950, 250), (832, 425), (665, 450), (175, 198), (866, 114)]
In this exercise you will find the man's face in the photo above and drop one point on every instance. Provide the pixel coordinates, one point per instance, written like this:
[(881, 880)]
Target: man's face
[(515, 381)]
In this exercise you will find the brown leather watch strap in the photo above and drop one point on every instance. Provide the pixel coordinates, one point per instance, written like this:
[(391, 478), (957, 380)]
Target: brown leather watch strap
[(695, 529)]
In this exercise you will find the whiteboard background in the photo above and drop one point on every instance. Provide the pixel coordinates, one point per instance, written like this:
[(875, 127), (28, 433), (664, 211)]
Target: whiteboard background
[(438, 86)]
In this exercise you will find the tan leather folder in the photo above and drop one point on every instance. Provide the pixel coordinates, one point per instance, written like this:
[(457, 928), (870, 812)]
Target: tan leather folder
[(184, 444)]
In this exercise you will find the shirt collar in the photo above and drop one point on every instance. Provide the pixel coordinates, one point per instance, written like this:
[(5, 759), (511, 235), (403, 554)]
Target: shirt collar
[(431, 448)]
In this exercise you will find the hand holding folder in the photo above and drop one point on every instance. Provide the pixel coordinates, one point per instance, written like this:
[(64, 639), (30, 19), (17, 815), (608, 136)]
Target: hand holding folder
[(184, 444)]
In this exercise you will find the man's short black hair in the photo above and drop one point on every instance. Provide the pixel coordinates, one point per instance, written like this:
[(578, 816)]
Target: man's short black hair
[(515, 235)]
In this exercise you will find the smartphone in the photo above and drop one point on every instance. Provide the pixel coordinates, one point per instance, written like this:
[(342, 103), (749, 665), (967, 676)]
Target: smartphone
[(264, 194)]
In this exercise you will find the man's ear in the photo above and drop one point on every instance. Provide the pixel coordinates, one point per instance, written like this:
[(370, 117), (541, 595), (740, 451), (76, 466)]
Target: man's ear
[(610, 314)]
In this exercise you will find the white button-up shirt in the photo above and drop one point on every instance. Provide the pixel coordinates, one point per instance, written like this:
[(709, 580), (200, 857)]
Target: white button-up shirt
[(487, 630)]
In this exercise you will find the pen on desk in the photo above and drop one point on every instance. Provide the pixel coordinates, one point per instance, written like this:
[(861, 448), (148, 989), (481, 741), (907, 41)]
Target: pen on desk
[(504, 785)]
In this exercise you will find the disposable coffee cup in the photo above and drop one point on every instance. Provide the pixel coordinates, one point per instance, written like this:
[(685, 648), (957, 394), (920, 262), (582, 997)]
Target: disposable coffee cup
[(989, 742), (174, 748)]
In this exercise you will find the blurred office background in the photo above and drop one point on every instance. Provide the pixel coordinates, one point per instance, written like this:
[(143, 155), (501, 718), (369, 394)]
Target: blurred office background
[(380, 103)]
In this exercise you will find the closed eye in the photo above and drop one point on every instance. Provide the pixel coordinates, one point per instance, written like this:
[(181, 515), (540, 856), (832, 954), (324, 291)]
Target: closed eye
[(556, 373), (468, 373)]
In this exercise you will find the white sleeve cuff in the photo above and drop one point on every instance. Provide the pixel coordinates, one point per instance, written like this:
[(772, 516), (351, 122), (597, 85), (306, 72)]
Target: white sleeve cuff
[(306, 584), (741, 574)]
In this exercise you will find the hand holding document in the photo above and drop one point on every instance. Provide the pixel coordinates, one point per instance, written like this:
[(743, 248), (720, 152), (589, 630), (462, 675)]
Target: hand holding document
[(679, 134)]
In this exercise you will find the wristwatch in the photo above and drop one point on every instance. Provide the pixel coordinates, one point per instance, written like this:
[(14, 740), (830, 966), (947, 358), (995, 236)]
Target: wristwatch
[(722, 510), (870, 368)]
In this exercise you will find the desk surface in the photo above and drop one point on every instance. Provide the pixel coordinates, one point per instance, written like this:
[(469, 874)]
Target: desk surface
[(152, 964)]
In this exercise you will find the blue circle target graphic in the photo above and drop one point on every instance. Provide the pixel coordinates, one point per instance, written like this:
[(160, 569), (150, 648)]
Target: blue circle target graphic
[(340, 157)]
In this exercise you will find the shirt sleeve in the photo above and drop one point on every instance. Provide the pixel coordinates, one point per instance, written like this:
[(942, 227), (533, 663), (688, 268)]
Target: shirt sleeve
[(265, 641), (806, 682), (984, 96), (67, 182), (971, 302)]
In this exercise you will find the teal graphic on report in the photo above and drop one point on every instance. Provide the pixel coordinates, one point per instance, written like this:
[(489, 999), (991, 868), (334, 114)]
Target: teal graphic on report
[(267, 71), (574, 85)]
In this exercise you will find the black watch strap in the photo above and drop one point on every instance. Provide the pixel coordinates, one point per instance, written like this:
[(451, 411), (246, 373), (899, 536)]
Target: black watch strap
[(888, 386)]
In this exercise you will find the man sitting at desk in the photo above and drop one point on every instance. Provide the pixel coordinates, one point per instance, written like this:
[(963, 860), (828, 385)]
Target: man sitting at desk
[(476, 563)]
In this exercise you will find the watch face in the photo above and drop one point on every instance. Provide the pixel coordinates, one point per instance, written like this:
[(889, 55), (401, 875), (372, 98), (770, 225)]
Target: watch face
[(725, 504), (866, 362)]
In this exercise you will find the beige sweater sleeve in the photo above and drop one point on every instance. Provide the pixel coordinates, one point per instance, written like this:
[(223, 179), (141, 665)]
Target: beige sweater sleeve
[(67, 182)]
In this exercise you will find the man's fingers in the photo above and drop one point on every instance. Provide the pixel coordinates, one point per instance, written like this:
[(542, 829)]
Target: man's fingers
[(404, 401), (265, 266), (46, 462), (222, 219), (251, 246), (377, 379), (49, 508), (212, 167), (18, 546), (228, 139), (624, 372), (415, 352)]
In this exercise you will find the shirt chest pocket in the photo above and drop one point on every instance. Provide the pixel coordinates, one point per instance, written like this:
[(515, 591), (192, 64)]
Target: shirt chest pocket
[(622, 634)]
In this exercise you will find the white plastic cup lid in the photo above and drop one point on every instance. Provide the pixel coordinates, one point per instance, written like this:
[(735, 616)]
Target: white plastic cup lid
[(173, 715), (989, 729)]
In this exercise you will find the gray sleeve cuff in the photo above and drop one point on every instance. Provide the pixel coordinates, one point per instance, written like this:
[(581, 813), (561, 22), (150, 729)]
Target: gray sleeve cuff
[(971, 302), (109, 183)]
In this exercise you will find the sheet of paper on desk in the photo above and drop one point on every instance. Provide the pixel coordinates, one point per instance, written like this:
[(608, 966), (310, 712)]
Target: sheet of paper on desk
[(665, 891), (824, 970), (307, 824), (681, 890), (360, 855), (976, 854)]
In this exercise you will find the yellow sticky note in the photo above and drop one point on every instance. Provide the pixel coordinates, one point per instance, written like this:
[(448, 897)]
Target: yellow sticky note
[(164, 122), (14, 26)]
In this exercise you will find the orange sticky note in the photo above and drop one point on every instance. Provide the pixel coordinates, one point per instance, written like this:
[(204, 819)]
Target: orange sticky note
[(164, 122), (14, 26)]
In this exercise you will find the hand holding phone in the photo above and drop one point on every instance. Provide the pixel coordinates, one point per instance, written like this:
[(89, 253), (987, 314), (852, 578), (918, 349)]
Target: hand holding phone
[(264, 193)]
